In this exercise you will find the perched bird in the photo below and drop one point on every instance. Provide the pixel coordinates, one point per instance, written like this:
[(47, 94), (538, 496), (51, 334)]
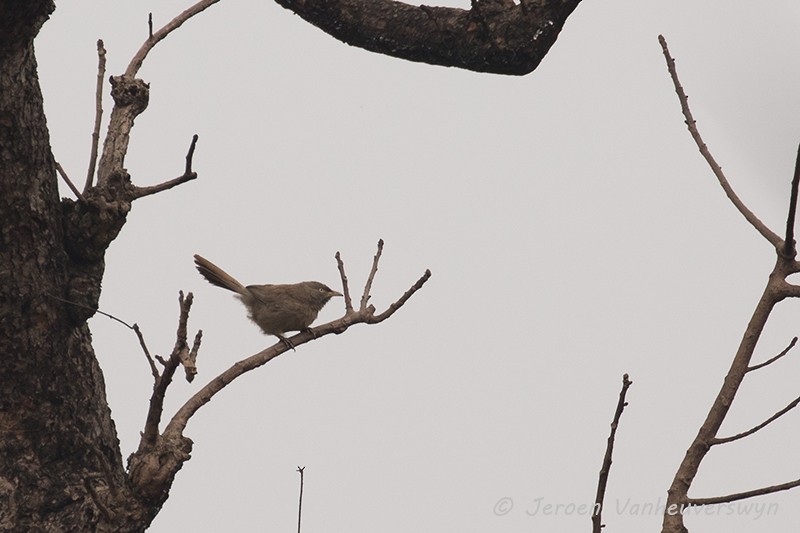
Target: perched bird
[(276, 309)]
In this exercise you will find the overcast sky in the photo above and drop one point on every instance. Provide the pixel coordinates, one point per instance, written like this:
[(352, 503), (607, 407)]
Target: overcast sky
[(573, 231)]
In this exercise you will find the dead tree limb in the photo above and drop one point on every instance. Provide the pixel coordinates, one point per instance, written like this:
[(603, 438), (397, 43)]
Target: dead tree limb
[(762, 425), (153, 466), (772, 360), (776, 290), (605, 469), (695, 502), (496, 36), (691, 123), (98, 113)]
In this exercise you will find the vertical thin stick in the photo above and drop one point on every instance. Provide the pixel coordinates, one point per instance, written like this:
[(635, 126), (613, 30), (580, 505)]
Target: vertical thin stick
[(300, 504), (368, 285), (597, 511), (98, 112), (788, 243)]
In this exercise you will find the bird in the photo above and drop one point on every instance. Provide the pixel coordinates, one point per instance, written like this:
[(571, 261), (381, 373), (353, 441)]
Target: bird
[(276, 309)]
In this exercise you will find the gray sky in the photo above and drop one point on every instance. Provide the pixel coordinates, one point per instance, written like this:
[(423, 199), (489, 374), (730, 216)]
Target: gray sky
[(573, 231)]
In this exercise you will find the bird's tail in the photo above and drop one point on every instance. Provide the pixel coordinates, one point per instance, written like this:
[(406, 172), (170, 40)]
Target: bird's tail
[(216, 276)]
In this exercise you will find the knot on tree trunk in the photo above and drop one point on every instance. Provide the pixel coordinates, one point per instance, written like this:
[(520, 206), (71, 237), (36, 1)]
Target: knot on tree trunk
[(152, 469), (130, 92)]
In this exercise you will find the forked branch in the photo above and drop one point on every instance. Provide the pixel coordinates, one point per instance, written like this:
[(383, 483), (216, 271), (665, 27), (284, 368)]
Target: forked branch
[(188, 175), (181, 355), (691, 123), (365, 314)]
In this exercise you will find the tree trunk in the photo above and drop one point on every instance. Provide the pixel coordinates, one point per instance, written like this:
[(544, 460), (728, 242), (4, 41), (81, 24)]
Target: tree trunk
[(60, 462)]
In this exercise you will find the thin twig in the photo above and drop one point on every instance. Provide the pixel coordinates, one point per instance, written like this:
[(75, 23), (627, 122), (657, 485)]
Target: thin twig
[(788, 243), (770, 361), (154, 38), (98, 311), (752, 430), (68, 181), (300, 503), (189, 156), (691, 123), (696, 502), (150, 25), (188, 175), (153, 369), (374, 319), (348, 301), (368, 285), (602, 482), (98, 113)]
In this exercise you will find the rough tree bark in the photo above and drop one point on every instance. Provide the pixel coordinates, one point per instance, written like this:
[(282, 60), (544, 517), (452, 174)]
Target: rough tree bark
[(59, 450), (497, 36)]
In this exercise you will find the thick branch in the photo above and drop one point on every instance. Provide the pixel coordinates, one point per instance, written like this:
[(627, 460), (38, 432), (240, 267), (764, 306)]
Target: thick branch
[(497, 36), (677, 494), (743, 495), (597, 517), (767, 233)]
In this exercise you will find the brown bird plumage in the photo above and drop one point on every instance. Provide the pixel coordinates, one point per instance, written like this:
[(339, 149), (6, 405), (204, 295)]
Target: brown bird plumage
[(276, 309)]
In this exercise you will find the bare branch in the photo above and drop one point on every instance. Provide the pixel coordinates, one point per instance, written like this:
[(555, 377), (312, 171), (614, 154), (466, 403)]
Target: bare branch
[(189, 363), (68, 181), (348, 301), (770, 361), (374, 319), (752, 430), (150, 25), (300, 503), (768, 234), (368, 285), (597, 518), (161, 383), (188, 175), (178, 423), (153, 369), (98, 113), (138, 59), (789, 249), (696, 502), (502, 37)]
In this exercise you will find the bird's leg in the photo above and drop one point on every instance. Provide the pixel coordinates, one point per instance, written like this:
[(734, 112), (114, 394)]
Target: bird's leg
[(309, 330), (285, 341)]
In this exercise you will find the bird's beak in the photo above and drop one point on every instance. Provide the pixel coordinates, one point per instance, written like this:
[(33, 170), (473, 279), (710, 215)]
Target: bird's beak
[(336, 293)]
